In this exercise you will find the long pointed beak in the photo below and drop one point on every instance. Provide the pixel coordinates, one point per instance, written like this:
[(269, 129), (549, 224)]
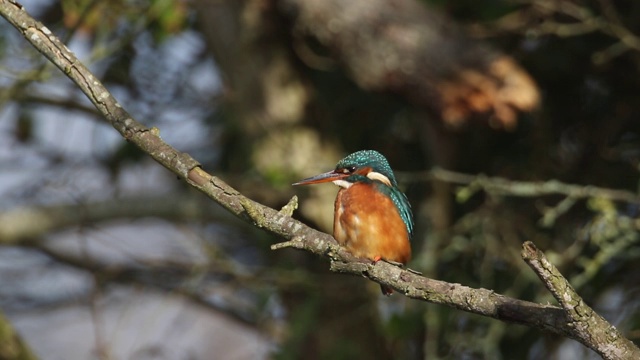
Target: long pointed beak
[(321, 178)]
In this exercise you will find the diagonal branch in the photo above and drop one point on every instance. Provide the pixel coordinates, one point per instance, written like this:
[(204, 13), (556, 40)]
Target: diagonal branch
[(589, 326), (484, 302)]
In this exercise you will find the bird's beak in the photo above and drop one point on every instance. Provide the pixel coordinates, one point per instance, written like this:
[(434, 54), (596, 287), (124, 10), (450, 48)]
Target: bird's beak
[(321, 178)]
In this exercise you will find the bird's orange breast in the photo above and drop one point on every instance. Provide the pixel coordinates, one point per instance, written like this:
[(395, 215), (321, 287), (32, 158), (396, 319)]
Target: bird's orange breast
[(368, 224)]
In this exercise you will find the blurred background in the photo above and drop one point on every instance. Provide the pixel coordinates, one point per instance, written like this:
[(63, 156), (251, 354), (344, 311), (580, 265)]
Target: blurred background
[(106, 255)]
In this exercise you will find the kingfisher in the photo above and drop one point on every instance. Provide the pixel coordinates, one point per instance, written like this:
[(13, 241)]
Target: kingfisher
[(372, 217)]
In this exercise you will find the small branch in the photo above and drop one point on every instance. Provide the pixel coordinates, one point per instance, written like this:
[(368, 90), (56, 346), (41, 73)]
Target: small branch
[(550, 215), (186, 279), (609, 24), (588, 327), (293, 243), (291, 206), (552, 278)]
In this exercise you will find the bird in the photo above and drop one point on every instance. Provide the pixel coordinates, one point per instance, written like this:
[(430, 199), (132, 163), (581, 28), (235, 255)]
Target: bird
[(372, 217)]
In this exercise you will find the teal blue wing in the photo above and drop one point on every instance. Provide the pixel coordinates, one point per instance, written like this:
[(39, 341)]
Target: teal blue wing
[(402, 204)]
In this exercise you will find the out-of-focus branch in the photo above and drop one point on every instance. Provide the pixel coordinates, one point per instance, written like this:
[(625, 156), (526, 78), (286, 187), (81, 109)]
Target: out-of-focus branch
[(502, 186), (540, 18), (505, 187), (37, 99), (609, 24), (30, 223), (479, 301), (187, 279)]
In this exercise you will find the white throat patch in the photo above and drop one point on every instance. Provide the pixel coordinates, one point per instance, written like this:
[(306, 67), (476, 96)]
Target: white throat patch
[(342, 183)]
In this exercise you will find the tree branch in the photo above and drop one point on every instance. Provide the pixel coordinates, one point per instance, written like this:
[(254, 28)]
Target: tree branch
[(589, 327), (485, 302)]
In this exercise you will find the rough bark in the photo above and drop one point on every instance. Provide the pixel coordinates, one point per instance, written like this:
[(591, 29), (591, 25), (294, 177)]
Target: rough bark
[(588, 326)]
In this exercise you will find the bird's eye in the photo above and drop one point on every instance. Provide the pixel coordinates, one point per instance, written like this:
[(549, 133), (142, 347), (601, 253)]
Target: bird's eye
[(349, 170)]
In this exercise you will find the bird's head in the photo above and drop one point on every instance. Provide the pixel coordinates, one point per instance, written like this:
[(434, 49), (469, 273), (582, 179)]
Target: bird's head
[(361, 166)]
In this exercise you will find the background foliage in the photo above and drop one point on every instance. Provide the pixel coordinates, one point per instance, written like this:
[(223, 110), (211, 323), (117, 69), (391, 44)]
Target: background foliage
[(261, 104)]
